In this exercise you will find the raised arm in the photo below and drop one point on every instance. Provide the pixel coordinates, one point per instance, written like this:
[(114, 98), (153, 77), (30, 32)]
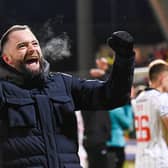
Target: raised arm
[(97, 95)]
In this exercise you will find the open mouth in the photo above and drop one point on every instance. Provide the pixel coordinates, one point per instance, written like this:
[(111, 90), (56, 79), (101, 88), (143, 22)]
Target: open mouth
[(32, 63), (31, 60)]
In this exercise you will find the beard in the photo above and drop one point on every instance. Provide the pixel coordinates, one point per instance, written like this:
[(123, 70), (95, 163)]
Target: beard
[(29, 72), (33, 78)]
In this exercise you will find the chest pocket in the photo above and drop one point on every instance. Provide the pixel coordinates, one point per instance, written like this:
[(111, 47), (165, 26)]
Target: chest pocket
[(21, 112), (62, 107), (65, 115)]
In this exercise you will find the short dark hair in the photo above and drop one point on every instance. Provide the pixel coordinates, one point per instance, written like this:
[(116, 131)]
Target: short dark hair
[(156, 69), (4, 37)]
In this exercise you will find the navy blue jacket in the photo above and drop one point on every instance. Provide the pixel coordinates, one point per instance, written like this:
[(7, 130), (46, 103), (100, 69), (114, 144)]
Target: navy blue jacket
[(38, 125)]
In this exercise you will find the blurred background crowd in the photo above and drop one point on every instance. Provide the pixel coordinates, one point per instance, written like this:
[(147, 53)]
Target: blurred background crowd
[(73, 35)]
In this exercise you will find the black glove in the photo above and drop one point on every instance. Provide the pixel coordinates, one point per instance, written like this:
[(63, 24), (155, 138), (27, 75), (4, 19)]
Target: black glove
[(121, 42)]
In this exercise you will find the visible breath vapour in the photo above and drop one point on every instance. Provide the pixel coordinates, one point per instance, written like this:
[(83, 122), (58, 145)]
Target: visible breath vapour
[(57, 47), (54, 47)]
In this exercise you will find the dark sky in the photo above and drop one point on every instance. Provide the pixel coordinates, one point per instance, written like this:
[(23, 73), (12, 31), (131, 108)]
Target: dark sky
[(134, 16)]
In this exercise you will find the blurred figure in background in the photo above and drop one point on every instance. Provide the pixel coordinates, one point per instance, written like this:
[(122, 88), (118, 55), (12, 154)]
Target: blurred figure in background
[(97, 123), (151, 119), (121, 119), (101, 70)]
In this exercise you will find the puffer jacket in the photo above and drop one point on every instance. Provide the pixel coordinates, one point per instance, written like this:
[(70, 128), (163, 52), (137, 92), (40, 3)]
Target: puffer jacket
[(38, 125)]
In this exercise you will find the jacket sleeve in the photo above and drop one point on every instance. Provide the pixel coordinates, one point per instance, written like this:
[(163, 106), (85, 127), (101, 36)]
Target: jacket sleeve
[(99, 95)]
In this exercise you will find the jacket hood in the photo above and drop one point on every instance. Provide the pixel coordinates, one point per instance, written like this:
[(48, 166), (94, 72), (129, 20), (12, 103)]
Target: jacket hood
[(10, 74)]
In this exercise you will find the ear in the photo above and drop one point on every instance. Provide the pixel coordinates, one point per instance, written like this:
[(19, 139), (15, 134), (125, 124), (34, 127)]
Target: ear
[(150, 83), (6, 59), (161, 78)]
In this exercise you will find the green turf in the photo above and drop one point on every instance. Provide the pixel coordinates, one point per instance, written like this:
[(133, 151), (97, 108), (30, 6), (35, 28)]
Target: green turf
[(129, 164)]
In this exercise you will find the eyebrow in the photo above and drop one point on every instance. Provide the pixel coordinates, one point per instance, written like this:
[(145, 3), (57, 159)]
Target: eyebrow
[(26, 42)]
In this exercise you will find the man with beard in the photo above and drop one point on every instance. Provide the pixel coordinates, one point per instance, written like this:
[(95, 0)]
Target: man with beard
[(37, 119)]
